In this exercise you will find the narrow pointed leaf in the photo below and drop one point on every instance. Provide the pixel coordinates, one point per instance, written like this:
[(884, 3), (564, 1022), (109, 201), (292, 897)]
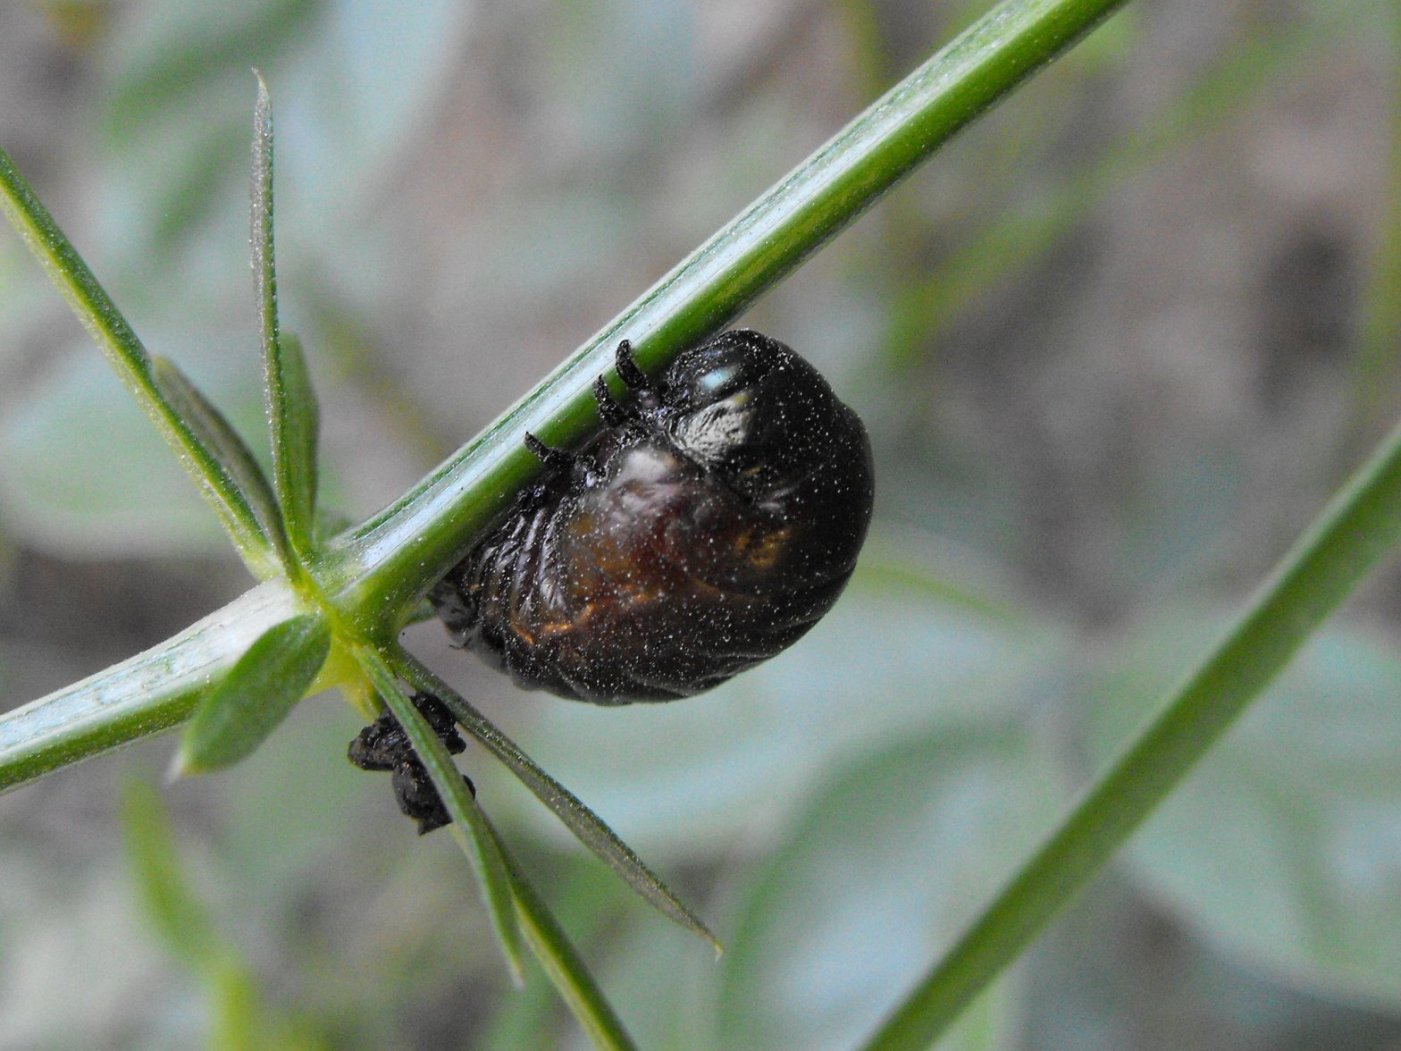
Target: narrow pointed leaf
[(298, 421), (180, 920), (128, 357), (469, 825), (587, 826), (562, 964), (292, 411), (227, 446), (256, 695)]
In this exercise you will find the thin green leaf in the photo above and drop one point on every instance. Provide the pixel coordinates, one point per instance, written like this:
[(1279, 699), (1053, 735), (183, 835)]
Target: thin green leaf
[(256, 695), (1360, 525), (469, 825), (219, 436), (124, 351), (180, 920), (236, 1010), (562, 963), (238, 1017), (293, 415), (294, 454), (577, 817)]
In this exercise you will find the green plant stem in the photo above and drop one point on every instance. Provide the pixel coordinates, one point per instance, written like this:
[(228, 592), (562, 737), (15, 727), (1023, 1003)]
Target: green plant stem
[(1358, 527), (143, 695), (382, 567), (376, 572)]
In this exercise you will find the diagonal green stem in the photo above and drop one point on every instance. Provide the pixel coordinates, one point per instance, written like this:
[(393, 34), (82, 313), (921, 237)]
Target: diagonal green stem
[(144, 695), (383, 566), (1358, 527), (376, 572)]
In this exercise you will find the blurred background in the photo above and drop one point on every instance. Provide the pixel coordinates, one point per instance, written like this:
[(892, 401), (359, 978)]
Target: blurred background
[(1115, 345)]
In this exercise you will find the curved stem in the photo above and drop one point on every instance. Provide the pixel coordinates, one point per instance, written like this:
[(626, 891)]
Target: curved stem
[(380, 568)]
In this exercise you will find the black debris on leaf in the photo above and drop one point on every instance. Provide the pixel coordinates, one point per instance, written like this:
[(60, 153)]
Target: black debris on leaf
[(383, 745)]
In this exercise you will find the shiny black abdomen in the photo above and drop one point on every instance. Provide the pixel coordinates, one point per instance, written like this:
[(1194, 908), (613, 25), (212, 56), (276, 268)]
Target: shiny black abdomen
[(707, 528)]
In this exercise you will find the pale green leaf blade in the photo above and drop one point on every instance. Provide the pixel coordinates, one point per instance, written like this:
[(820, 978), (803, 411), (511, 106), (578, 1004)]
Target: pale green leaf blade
[(861, 881), (469, 825), (256, 695), (225, 443), (295, 448), (587, 826), (293, 415)]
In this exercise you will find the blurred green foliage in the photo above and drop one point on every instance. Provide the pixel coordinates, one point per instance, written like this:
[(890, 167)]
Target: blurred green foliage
[(238, 1020), (1107, 346)]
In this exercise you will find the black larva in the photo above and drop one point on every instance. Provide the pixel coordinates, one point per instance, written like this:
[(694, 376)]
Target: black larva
[(711, 523)]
